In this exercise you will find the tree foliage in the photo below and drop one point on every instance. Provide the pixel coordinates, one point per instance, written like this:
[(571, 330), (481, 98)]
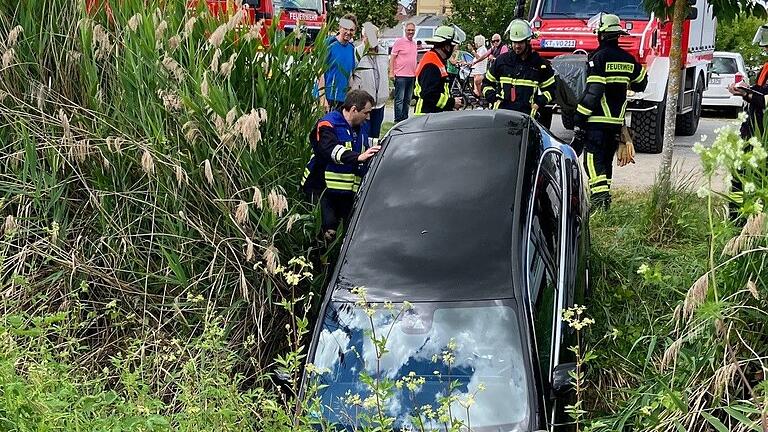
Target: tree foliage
[(484, 17), (736, 35), (379, 12)]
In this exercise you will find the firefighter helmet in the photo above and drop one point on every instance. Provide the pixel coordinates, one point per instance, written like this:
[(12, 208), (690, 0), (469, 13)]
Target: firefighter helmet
[(519, 31), (761, 36), (444, 34), (604, 23)]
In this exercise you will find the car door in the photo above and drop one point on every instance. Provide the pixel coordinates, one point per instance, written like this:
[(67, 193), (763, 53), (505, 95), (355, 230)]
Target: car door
[(545, 264)]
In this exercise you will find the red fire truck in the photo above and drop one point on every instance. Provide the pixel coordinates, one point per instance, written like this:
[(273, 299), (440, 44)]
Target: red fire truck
[(308, 16), (562, 29)]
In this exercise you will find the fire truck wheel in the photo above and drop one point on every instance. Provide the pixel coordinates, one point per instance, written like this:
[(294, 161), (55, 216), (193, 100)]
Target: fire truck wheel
[(649, 129), (687, 123)]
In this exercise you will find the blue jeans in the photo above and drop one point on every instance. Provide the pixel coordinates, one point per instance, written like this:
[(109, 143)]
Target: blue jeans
[(403, 96), (377, 118)]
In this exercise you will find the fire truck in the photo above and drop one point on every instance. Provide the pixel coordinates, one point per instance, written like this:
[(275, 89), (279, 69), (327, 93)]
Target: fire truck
[(307, 16), (562, 29)]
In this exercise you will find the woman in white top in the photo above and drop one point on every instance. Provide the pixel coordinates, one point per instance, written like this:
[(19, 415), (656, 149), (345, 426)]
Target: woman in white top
[(480, 64)]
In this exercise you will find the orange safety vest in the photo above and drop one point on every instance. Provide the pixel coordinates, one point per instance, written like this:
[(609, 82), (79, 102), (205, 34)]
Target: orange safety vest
[(431, 57), (763, 77)]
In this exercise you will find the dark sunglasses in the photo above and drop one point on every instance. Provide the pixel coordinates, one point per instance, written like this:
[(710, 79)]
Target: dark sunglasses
[(496, 40)]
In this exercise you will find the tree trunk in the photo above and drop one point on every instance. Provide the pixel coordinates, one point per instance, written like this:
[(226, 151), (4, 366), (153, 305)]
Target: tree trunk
[(673, 91)]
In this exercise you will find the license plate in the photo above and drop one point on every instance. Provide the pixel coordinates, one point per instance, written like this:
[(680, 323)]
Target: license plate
[(714, 81), (558, 43)]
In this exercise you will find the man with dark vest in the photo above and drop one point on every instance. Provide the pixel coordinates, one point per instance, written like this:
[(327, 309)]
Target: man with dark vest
[(340, 154), (432, 89), (755, 97), (600, 113), (519, 79)]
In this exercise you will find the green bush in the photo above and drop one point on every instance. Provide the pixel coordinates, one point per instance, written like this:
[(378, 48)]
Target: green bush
[(736, 36)]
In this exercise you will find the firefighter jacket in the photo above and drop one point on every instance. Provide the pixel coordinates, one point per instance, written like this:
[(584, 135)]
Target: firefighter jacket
[(516, 84), (432, 91), (757, 104), (610, 73), (336, 146)]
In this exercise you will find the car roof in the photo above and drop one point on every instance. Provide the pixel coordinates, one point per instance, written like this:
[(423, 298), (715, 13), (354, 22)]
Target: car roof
[(726, 54), (435, 218)]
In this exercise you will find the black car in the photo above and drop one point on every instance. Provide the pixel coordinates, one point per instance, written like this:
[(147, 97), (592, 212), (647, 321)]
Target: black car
[(477, 222)]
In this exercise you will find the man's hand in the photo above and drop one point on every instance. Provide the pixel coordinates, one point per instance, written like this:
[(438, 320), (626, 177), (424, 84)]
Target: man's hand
[(736, 90), (458, 102), (535, 107), (391, 75), (324, 103), (364, 156)]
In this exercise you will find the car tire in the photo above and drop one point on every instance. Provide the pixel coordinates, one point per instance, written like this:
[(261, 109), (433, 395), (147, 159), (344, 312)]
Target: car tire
[(688, 123), (648, 127)]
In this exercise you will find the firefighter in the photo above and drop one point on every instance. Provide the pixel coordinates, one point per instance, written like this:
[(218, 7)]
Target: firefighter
[(755, 97), (519, 79), (599, 116), (340, 151), (432, 89)]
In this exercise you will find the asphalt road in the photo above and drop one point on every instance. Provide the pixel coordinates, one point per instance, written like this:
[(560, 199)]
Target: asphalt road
[(641, 174)]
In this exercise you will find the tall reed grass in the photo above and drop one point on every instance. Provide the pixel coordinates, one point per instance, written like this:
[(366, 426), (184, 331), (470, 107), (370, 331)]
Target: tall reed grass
[(149, 163)]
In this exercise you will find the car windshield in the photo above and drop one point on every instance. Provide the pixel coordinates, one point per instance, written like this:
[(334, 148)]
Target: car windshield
[(469, 350), (313, 5), (724, 65), (626, 9)]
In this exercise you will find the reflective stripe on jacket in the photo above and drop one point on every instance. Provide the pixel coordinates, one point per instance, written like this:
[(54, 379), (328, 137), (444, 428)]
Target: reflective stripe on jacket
[(336, 146), (611, 72), (516, 84)]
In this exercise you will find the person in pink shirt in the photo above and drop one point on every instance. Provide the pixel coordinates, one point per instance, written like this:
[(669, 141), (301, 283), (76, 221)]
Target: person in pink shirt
[(402, 68)]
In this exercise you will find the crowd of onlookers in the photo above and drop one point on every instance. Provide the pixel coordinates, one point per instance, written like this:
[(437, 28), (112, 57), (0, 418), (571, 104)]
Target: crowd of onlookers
[(363, 63)]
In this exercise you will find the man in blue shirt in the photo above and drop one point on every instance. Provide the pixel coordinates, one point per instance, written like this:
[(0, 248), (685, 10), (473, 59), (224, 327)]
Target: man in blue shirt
[(333, 84)]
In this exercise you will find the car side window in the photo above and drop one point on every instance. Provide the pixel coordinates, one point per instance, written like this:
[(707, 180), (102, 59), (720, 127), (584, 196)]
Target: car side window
[(544, 247)]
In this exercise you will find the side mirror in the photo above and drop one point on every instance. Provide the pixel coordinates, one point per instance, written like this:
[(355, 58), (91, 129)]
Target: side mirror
[(693, 13), (562, 382)]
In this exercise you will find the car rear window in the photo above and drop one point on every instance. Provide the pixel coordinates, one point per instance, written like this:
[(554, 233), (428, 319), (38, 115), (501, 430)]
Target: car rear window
[(436, 221), (724, 65)]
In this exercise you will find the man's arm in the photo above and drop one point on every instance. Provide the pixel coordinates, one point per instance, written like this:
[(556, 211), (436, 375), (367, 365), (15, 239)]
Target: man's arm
[(329, 149), (639, 79), (490, 82), (432, 89), (392, 61), (592, 94), (546, 84)]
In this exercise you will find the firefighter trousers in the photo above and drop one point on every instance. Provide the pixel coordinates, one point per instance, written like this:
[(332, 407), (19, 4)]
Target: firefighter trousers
[(601, 146)]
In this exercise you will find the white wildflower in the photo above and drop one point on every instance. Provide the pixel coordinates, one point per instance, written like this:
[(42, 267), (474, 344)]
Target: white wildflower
[(703, 191), (215, 61), (257, 198), (174, 42), (749, 187), (160, 30)]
